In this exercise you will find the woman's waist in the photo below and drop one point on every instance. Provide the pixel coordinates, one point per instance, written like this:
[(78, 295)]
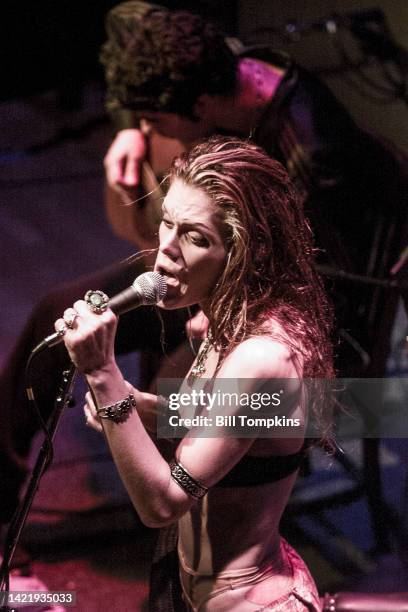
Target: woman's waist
[(228, 562)]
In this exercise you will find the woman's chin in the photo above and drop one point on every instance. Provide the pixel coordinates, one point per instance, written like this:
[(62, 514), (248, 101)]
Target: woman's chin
[(165, 305), (171, 301)]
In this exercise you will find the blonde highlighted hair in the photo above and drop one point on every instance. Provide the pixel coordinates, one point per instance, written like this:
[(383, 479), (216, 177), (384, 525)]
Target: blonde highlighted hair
[(270, 271)]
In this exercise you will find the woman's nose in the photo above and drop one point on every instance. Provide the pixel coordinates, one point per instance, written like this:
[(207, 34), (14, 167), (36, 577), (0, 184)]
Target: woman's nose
[(170, 246)]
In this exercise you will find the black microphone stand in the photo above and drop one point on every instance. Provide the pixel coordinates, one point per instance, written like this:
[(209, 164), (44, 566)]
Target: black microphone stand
[(382, 283), (16, 526)]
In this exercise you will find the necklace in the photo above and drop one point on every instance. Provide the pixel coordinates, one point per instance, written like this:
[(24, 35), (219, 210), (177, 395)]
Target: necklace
[(199, 367)]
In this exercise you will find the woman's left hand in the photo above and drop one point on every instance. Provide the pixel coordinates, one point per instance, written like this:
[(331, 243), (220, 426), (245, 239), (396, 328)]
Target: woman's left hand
[(91, 417), (89, 337)]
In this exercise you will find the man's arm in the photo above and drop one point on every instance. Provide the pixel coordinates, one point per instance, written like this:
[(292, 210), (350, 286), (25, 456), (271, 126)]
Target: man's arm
[(133, 193)]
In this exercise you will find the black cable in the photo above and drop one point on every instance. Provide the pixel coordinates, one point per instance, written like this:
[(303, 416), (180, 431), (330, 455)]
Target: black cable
[(49, 453), (37, 412)]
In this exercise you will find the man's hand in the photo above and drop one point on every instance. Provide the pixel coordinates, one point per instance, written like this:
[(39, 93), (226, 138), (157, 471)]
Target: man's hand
[(124, 159)]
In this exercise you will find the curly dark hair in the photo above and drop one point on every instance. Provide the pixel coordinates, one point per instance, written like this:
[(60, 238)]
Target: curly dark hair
[(270, 272), (161, 60)]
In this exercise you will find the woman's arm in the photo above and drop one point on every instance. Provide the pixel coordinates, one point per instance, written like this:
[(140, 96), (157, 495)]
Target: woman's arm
[(157, 497), (145, 473), (249, 365)]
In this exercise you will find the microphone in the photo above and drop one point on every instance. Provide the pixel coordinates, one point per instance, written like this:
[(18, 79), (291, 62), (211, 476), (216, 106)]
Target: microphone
[(146, 290)]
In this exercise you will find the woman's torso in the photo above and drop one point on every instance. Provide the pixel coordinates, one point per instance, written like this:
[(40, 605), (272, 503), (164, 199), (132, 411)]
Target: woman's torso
[(236, 527)]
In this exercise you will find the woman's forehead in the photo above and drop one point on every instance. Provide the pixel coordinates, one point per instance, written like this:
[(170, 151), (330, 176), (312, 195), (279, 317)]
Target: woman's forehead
[(185, 201)]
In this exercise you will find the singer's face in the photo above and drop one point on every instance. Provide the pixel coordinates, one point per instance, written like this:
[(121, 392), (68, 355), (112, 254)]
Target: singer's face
[(191, 255)]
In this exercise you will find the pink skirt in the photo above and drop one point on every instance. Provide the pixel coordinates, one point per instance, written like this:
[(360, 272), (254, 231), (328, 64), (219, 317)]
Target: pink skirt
[(227, 591)]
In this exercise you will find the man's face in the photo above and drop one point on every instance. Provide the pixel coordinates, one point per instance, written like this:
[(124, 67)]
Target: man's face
[(176, 126)]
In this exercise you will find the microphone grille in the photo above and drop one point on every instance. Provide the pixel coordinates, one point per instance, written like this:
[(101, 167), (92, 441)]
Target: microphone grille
[(151, 286)]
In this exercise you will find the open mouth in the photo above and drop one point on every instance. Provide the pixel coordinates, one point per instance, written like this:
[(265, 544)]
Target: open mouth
[(169, 277)]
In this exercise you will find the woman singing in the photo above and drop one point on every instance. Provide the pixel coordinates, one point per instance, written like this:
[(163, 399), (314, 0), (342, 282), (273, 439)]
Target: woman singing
[(233, 239)]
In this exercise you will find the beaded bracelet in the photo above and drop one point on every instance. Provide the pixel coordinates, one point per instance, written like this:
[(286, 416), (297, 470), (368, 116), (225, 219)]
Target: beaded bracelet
[(118, 411), (186, 481)]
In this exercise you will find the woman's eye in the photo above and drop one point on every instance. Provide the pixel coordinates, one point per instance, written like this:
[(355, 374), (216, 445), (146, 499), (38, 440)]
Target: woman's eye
[(197, 239), (167, 222)]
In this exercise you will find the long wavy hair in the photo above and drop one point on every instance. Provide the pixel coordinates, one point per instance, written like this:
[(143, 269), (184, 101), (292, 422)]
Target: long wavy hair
[(270, 271)]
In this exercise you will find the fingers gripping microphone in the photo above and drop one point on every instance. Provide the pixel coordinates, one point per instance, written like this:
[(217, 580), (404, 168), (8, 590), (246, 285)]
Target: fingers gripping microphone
[(146, 290)]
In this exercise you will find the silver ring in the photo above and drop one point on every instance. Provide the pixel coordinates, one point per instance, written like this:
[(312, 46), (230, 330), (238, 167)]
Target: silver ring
[(70, 319), (97, 301)]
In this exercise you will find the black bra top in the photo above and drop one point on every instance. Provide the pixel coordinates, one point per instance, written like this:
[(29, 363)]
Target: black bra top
[(251, 471)]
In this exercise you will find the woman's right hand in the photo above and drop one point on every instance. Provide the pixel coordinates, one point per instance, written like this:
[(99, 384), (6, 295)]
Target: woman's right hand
[(123, 161)]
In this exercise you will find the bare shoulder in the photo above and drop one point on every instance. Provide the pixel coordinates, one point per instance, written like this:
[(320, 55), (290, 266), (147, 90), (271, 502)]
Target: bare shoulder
[(260, 357)]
